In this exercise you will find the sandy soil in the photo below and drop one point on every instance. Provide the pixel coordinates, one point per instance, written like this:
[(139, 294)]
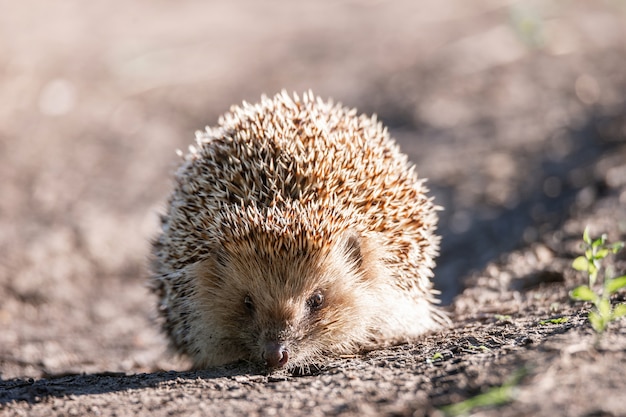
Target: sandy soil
[(515, 111)]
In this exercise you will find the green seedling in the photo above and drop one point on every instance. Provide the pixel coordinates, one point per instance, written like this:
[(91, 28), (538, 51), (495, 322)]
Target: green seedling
[(591, 263), (481, 348), (502, 317), (559, 320), (495, 396), (436, 356)]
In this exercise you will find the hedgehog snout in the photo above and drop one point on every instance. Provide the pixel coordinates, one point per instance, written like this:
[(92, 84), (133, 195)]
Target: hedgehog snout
[(276, 354)]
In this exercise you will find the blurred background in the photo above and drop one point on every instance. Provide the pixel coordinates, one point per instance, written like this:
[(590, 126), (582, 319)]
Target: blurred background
[(514, 110)]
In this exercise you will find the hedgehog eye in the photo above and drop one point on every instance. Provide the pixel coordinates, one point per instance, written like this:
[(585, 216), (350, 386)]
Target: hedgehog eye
[(316, 301), (248, 304)]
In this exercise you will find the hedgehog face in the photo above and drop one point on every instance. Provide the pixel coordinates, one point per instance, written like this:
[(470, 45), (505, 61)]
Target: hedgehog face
[(288, 309)]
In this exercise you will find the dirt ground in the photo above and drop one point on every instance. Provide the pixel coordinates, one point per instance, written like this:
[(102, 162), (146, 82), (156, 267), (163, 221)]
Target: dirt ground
[(515, 111)]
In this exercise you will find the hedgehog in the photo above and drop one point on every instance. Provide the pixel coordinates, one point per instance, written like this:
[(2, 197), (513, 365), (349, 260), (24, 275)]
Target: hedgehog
[(296, 231)]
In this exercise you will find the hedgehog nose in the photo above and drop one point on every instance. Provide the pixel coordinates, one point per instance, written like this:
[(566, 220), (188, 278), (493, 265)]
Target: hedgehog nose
[(276, 355)]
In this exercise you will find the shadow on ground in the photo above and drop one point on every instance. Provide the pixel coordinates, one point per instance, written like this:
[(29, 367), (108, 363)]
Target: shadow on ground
[(40, 390), (552, 193)]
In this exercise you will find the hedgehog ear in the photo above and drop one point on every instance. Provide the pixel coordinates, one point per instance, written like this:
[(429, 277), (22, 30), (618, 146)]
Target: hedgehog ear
[(352, 246), (209, 270), (220, 257)]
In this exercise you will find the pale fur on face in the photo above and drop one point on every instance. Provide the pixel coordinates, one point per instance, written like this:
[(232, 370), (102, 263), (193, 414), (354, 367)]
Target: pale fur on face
[(279, 285), (351, 275)]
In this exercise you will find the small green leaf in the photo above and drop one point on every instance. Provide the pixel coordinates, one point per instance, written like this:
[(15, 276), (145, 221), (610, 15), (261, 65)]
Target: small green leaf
[(619, 311), (492, 397), (437, 355), (482, 348), (586, 237), (615, 284), (580, 264), (601, 254), (559, 320), (596, 322), (599, 241), (604, 308), (583, 293)]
